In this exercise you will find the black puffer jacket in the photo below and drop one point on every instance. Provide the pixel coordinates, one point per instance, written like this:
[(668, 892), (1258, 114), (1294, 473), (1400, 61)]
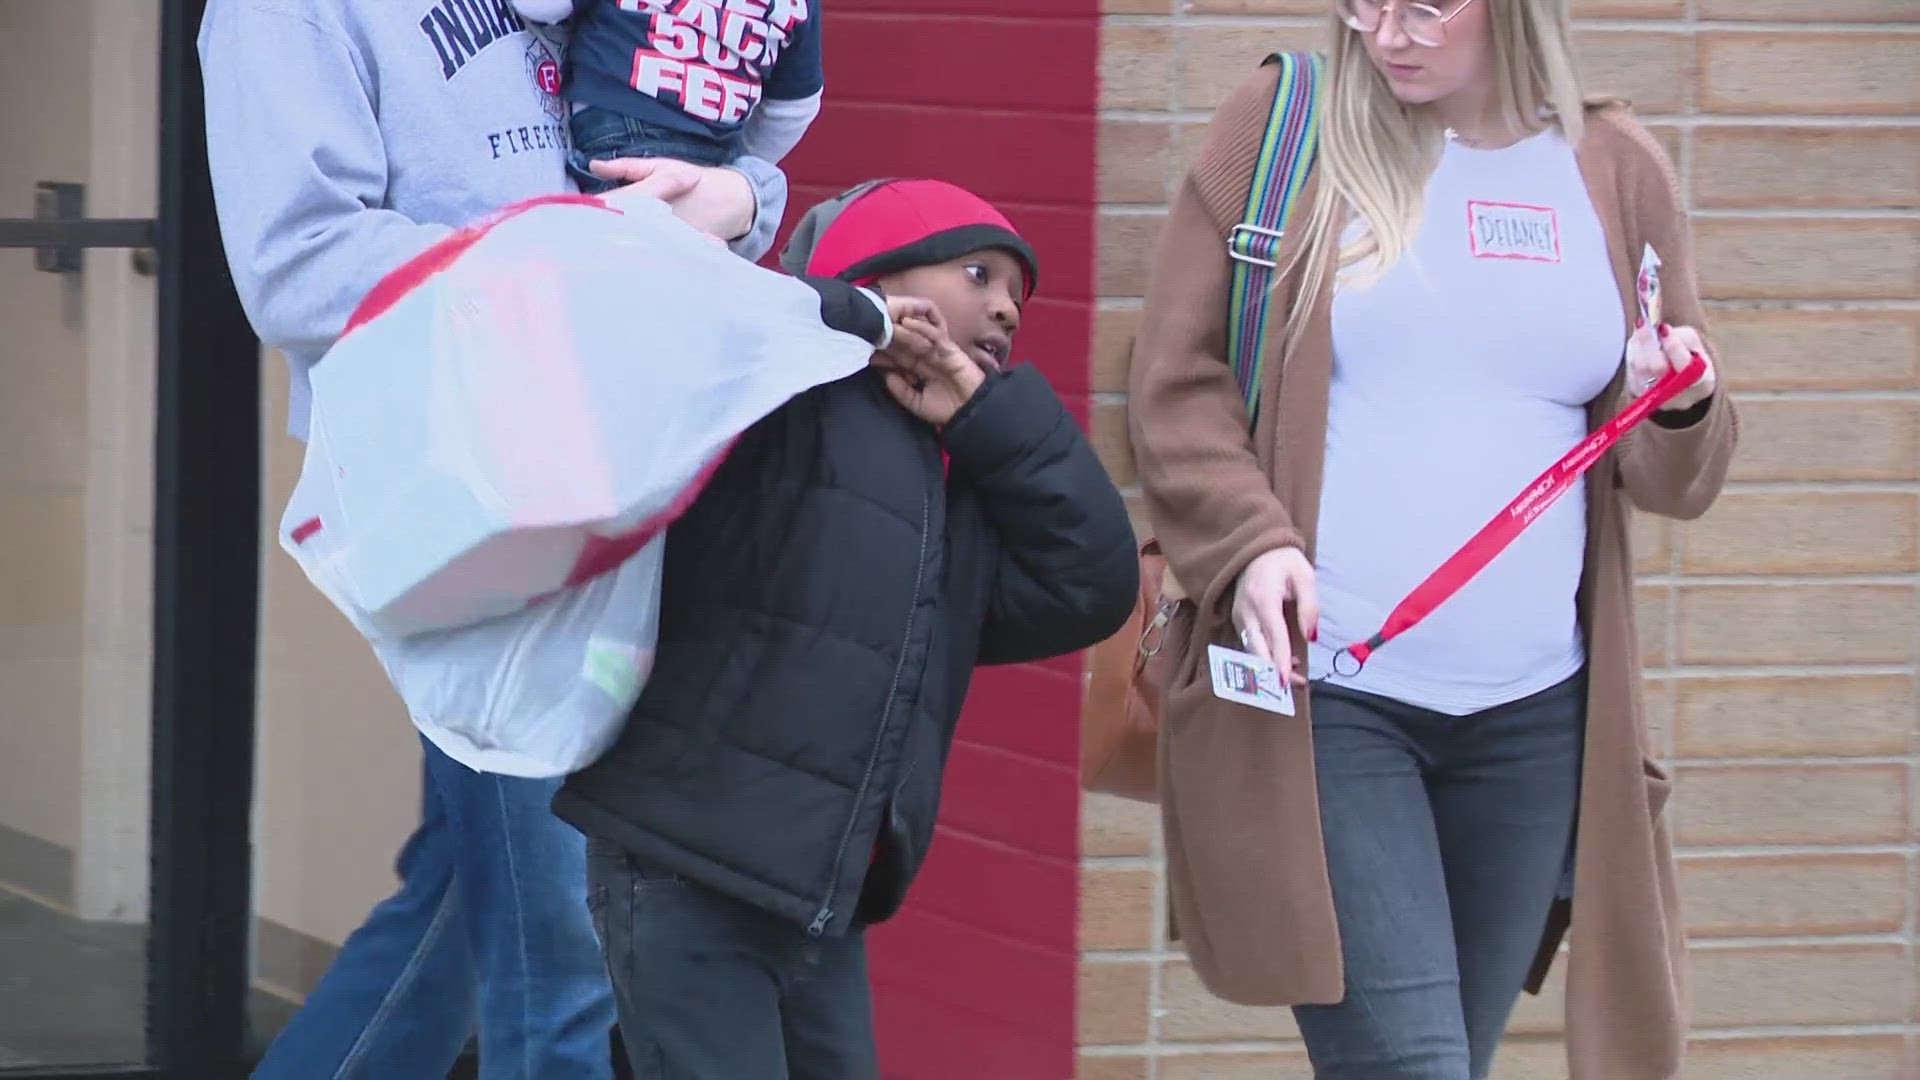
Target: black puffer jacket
[(826, 600)]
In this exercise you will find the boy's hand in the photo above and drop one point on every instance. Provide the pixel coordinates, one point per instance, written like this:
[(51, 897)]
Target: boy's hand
[(900, 308), (926, 372)]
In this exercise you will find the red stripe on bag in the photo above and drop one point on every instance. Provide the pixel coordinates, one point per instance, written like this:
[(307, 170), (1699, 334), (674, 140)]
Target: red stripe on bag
[(305, 530), (413, 273), (1509, 523), (602, 554)]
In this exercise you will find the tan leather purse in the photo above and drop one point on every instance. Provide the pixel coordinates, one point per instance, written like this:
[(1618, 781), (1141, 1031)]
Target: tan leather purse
[(1128, 674)]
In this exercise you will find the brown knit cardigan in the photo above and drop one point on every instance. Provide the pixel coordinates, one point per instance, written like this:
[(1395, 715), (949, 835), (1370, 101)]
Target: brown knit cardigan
[(1247, 874)]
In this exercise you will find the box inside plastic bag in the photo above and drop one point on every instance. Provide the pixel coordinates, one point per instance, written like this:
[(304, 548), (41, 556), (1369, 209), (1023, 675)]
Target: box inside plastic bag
[(543, 691), (530, 401)]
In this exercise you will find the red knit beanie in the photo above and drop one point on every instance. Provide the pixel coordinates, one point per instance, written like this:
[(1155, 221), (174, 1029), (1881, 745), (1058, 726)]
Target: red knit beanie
[(886, 226)]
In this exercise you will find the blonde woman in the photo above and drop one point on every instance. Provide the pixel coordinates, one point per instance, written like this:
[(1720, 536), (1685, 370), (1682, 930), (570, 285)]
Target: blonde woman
[(1454, 312)]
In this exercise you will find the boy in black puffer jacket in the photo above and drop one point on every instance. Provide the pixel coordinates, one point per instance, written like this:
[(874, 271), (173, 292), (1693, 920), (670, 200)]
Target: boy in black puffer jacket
[(826, 600)]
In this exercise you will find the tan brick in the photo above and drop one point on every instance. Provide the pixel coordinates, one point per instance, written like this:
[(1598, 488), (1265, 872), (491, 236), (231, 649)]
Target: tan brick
[(1216, 58), (1785, 167), (1810, 895), (1266, 1065), (1654, 625), (1807, 258), (1796, 624), (1126, 243), (1652, 540), (1114, 827), (1113, 1002), (1820, 533), (1828, 440), (1105, 1067), (1136, 66), (1111, 441), (1841, 1057), (1913, 832), (1256, 7), (1819, 350), (1819, 73), (1836, 716), (1652, 70), (1189, 1013), (1892, 11), (1804, 985), (1626, 9), (1791, 804), (1117, 908), (1113, 333), (1136, 161), (1656, 704), (1582, 9)]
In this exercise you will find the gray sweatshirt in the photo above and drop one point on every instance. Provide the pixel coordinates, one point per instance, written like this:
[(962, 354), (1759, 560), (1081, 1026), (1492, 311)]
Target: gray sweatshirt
[(346, 136)]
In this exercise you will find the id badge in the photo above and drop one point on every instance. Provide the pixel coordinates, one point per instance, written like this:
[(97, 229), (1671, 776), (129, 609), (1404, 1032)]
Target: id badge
[(1247, 679), (1647, 285)]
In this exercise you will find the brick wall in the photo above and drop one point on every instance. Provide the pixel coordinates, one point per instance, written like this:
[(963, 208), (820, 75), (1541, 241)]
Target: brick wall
[(1780, 631)]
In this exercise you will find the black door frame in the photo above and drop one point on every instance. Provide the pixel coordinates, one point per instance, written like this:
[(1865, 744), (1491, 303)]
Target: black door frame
[(207, 471)]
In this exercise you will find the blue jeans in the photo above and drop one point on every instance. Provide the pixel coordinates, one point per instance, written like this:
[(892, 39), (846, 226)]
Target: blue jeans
[(1447, 839), (490, 928), (601, 135)]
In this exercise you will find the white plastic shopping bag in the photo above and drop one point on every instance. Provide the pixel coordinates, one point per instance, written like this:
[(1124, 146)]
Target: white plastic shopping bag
[(499, 442), (526, 404), (539, 692), (543, 691)]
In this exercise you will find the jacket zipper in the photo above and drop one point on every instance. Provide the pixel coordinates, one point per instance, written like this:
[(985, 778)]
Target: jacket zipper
[(825, 915)]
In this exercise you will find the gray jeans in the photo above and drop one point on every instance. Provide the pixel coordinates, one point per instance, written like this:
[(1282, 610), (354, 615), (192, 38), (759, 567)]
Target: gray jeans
[(1446, 841), (710, 988)]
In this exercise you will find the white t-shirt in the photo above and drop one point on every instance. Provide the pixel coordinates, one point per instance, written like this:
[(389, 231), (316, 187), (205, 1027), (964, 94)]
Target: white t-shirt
[(1458, 376)]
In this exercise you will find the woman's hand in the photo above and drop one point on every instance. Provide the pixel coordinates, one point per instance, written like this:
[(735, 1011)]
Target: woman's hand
[(1654, 351), (926, 372), (1259, 607), (717, 200)]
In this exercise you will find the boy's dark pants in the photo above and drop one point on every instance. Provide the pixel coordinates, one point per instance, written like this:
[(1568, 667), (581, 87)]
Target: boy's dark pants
[(710, 988)]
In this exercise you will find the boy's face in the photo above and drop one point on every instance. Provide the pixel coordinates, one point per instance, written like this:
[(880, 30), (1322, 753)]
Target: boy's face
[(979, 297)]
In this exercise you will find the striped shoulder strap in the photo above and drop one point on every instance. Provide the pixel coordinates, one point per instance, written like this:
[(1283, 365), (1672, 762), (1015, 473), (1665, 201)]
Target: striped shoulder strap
[(1286, 156)]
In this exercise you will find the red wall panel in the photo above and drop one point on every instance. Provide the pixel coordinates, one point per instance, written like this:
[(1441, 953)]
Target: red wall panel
[(976, 979)]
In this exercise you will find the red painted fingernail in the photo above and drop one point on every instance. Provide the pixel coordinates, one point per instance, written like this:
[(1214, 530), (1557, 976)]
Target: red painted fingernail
[(1313, 633), (1663, 331)]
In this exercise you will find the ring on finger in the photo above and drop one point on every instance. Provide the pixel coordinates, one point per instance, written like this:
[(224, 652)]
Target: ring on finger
[(1246, 637)]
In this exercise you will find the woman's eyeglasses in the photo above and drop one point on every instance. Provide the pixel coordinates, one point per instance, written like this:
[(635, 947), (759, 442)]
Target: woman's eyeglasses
[(1426, 24)]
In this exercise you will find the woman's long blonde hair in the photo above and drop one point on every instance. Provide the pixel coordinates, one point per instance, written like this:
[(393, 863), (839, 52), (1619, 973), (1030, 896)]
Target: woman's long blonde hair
[(1376, 154)]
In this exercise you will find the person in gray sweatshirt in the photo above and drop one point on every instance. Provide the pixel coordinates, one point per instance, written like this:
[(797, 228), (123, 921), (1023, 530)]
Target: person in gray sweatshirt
[(345, 137)]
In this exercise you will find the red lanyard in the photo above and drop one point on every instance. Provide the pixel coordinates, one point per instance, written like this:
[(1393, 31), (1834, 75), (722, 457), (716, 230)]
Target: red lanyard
[(1509, 523)]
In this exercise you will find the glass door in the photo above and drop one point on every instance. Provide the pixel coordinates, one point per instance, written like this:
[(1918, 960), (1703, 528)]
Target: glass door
[(126, 557), (77, 364)]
